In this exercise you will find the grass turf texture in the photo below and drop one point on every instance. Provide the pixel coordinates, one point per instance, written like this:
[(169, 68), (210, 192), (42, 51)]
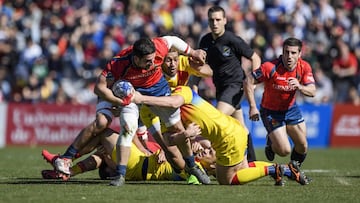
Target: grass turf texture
[(335, 174)]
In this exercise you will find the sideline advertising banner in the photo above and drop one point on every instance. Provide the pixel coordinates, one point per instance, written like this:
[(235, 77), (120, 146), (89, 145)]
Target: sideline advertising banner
[(46, 124), (3, 114), (345, 128), (317, 119)]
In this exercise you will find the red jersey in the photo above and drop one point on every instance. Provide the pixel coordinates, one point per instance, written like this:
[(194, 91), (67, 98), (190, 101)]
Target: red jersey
[(121, 66), (278, 95), (351, 61)]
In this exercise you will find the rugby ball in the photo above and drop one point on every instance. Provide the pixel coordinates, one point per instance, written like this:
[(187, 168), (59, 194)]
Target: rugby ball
[(122, 89)]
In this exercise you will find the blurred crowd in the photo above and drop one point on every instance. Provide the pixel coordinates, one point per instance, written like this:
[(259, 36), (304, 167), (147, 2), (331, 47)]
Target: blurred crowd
[(53, 50)]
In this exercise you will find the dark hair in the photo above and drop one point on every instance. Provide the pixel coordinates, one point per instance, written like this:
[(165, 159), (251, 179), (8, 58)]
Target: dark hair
[(293, 42), (216, 9), (143, 46)]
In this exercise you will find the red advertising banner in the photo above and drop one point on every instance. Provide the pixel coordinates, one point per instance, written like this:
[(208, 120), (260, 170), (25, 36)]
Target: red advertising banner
[(345, 129), (46, 124)]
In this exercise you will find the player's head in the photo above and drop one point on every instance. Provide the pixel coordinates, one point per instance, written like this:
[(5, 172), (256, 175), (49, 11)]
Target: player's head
[(291, 52), (207, 157), (217, 20), (144, 53), (171, 62)]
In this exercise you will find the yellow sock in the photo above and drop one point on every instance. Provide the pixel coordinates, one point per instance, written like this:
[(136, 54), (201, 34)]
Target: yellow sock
[(262, 163), (249, 174)]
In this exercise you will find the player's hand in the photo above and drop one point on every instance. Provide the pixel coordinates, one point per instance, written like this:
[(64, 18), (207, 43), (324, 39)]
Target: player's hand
[(136, 97), (198, 56), (196, 147), (254, 114), (161, 158), (294, 83), (192, 131)]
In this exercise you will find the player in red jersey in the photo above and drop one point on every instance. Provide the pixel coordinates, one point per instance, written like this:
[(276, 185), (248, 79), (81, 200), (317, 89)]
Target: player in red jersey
[(282, 78), (139, 64)]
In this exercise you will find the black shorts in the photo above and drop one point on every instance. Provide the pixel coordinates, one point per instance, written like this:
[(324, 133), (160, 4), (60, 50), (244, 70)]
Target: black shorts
[(231, 94)]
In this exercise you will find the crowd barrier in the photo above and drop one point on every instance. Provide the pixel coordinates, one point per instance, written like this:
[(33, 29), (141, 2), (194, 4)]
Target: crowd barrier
[(328, 125)]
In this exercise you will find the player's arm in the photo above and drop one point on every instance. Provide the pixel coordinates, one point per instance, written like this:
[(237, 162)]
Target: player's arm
[(249, 87), (173, 101), (101, 89), (307, 90), (203, 70), (198, 55)]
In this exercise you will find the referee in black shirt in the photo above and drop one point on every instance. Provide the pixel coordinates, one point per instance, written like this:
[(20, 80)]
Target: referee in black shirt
[(224, 52)]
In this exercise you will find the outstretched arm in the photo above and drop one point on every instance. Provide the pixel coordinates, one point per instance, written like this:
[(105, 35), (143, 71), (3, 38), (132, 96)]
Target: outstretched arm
[(174, 101), (198, 55)]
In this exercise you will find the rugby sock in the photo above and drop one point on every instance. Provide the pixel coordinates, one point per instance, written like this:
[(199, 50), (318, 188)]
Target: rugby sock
[(190, 161), (246, 175), (250, 149), (270, 170), (297, 156), (121, 170), (287, 172), (78, 168), (259, 164), (70, 152)]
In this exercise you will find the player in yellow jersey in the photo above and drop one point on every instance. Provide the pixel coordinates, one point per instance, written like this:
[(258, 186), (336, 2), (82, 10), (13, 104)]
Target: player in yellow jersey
[(227, 136), (140, 166), (177, 69)]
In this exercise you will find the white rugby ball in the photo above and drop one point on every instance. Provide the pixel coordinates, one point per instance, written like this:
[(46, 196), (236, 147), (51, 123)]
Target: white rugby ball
[(122, 88)]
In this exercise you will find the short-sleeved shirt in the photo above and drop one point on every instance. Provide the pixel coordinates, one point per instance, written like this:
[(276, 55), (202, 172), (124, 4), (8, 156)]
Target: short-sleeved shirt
[(147, 81), (278, 95), (224, 57)]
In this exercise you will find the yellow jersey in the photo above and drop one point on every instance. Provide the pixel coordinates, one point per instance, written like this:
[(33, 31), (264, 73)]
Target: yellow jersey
[(226, 134), (141, 167)]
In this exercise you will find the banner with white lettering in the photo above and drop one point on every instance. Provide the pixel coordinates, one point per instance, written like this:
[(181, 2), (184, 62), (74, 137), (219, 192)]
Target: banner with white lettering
[(46, 124), (317, 119), (345, 129)]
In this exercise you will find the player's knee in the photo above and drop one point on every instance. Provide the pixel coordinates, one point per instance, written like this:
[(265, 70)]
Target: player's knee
[(301, 148), (101, 123), (283, 152)]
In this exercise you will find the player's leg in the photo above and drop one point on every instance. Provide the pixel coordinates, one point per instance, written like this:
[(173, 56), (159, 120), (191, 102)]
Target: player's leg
[(155, 129), (280, 144), (128, 125), (102, 120), (229, 102), (277, 141), (298, 135), (175, 133)]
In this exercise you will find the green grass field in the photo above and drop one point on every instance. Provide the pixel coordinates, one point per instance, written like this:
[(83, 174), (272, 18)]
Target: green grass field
[(335, 174)]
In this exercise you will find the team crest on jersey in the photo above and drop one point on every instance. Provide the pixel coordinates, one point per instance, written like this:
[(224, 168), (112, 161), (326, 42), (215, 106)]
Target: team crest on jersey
[(226, 51)]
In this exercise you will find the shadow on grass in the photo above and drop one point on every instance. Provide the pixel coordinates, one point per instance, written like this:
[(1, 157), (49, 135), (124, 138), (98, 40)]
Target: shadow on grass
[(40, 181)]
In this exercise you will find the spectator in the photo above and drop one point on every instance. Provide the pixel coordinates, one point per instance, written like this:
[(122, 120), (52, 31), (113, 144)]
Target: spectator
[(345, 68)]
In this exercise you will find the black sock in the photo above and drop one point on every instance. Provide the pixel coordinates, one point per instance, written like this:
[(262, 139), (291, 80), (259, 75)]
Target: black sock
[(250, 150), (297, 156)]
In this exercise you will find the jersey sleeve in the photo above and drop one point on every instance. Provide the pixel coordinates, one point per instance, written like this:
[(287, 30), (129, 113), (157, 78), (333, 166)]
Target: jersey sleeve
[(242, 48), (161, 50), (185, 92), (263, 72), (308, 77)]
